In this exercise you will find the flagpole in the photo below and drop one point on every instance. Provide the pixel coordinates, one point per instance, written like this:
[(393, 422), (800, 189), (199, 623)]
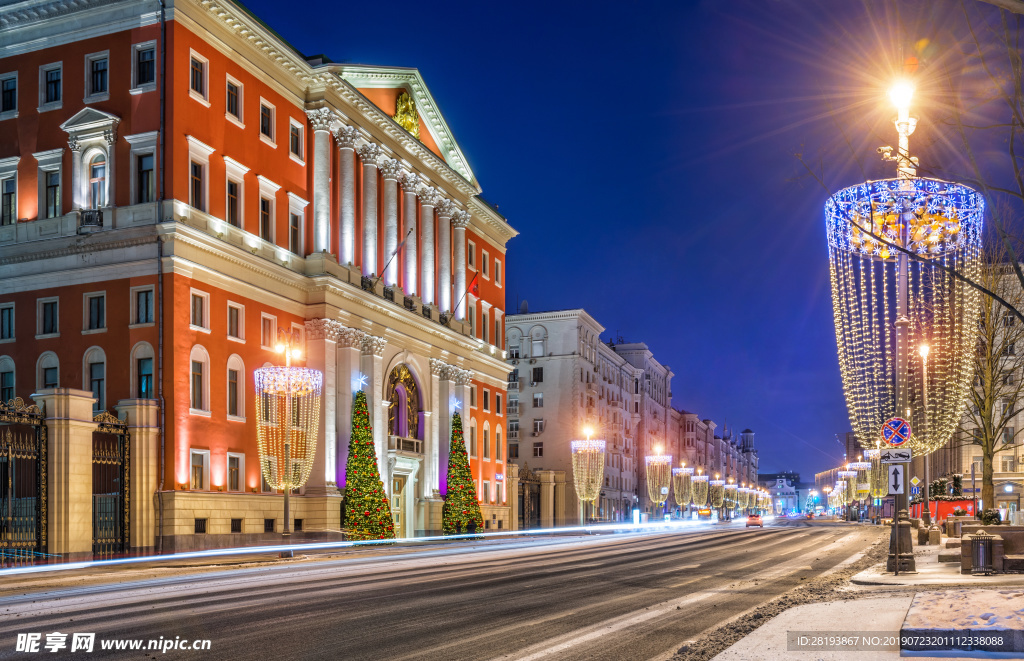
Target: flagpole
[(465, 293), (393, 255)]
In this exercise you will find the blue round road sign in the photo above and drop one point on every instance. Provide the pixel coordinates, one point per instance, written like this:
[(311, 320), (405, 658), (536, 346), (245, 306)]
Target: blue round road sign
[(896, 431)]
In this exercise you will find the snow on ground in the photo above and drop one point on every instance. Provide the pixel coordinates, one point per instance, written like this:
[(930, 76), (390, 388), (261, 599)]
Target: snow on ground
[(977, 610)]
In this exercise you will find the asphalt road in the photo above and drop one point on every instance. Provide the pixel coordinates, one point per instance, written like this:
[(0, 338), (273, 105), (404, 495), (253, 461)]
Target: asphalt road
[(628, 596)]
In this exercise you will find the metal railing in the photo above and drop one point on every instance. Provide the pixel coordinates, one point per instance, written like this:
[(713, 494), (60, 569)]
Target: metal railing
[(92, 218), (389, 294), (367, 283), (401, 444)]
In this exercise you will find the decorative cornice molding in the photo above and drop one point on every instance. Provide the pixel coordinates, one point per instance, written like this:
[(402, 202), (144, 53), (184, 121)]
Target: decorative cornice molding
[(389, 168), (320, 119), (10, 18), (373, 345), (346, 137), (322, 329), (369, 153), (77, 249)]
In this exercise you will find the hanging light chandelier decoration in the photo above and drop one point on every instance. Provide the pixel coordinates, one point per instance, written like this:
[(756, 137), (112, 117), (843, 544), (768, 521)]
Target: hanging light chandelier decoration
[(884, 303), (849, 478), (731, 496), (877, 475), (587, 471), (659, 476), (700, 490), (682, 483), (716, 492), (288, 415), (862, 479)]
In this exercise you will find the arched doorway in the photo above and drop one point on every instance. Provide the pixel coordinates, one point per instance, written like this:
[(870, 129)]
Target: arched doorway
[(405, 447)]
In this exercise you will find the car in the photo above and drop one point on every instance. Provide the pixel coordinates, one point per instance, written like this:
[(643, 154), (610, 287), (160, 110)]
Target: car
[(755, 520), (810, 515)]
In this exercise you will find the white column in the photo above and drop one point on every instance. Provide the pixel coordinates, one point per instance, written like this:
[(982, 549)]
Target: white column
[(111, 138), (389, 170), (428, 200), (369, 154), (77, 200), (320, 122), (345, 136), (373, 368), (349, 371), (460, 220), (437, 443), (444, 247), (410, 277)]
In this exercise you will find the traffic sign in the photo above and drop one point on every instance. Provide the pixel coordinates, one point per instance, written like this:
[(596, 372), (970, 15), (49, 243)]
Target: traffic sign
[(896, 431), (914, 481), (896, 479), (915, 490), (895, 456)]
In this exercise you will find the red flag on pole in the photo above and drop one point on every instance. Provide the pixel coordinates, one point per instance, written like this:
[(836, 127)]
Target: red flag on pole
[(474, 285)]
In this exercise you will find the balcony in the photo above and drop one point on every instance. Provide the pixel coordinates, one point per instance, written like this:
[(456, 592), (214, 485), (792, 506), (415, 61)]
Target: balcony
[(513, 385), (402, 445), (512, 409)]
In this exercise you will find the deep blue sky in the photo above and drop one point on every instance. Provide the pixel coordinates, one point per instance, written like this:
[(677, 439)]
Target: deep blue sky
[(645, 152)]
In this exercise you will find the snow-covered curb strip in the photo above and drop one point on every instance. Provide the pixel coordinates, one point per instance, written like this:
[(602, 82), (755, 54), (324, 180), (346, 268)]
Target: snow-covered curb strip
[(972, 620)]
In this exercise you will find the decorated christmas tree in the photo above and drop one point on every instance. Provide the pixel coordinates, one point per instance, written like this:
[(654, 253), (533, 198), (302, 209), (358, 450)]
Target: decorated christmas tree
[(367, 511), (461, 507)]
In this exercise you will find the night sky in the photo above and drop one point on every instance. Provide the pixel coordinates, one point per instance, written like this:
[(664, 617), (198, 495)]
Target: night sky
[(648, 155)]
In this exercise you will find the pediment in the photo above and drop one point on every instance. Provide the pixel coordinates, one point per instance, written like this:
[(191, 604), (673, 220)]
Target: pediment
[(88, 120)]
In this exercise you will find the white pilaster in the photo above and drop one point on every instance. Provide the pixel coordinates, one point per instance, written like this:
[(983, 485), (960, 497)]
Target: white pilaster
[(444, 248), (349, 352), (460, 220), (390, 171), (369, 154), (77, 189), (373, 368), (320, 122), (345, 136), (111, 139), (321, 354), (428, 200), (410, 277)]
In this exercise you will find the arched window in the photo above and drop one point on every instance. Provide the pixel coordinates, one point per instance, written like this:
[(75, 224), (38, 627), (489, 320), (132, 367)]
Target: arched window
[(498, 453), (6, 379), (48, 371), (404, 410), (199, 381), (487, 440), (236, 388), (98, 181), (142, 371), (472, 438), (94, 376)]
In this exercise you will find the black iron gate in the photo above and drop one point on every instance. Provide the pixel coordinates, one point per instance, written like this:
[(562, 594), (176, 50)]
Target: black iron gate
[(529, 499), (22, 483), (111, 492)]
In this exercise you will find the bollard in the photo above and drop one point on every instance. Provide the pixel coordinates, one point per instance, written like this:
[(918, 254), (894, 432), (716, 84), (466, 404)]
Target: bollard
[(935, 535)]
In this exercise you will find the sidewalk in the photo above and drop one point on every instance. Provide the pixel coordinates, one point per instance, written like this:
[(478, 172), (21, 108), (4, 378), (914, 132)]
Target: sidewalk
[(932, 572)]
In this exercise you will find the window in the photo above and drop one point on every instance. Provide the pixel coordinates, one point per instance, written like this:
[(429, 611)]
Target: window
[(236, 468), (471, 254), (234, 100), (196, 178), (513, 430), (513, 450), (538, 375), (513, 351), (497, 272), (487, 442), (96, 311), (485, 259), (472, 397), (144, 179), (98, 181), (7, 381), (497, 404), (9, 93), (143, 310), (50, 89), (197, 381), (294, 223), (197, 77), (497, 444), (51, 377), (1008, 349), (1008, 464), (7, 322), (8, 201), (1008, 320), (538, 348), (295, 139), (538, 449), (538, 425), (268, 524), (236, 322), (97, 381), (485, 324), (48, 317), (200, 311), (236, 524), (487, 491), (268, 332), (232, 214), (1008, 434), (52, 182), (144, 63), (236, 388), (487, 400), (144, 378), (96, 76), (472, 438), (538, 400), (200, 469), (266, 219), (266, 122), (976, 464)]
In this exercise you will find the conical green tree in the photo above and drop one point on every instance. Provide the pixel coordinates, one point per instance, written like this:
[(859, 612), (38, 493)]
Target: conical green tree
[(367, 510), (460, 504)]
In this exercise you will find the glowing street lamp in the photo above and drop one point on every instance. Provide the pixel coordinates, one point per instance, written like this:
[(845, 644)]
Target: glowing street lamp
[(288, 414), (587, 469)]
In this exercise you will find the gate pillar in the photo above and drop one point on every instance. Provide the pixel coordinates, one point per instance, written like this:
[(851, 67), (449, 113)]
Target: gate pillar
[(68, 418), (144, 434)]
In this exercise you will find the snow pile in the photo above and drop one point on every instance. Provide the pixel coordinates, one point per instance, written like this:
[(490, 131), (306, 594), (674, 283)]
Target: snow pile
[(973, 609)]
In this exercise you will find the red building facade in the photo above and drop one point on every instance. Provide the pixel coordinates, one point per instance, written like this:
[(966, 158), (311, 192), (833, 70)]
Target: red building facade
[(179, 185)]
